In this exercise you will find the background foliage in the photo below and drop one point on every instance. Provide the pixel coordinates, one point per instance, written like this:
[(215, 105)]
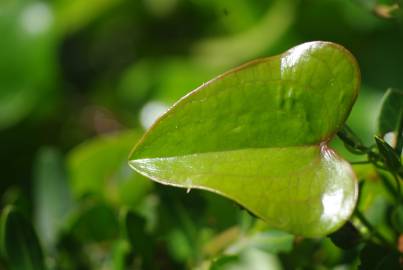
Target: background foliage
[(81, 80)]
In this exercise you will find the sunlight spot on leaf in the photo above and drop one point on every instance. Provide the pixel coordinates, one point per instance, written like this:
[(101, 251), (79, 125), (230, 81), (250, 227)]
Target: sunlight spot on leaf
[(332, 203), (296, 54)]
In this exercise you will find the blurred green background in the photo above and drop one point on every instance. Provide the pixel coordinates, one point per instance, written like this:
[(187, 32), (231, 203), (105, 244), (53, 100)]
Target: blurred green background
[(80, 81)]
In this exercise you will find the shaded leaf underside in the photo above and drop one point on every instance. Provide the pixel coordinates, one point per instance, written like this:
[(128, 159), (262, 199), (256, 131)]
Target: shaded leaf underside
[(296, 188)]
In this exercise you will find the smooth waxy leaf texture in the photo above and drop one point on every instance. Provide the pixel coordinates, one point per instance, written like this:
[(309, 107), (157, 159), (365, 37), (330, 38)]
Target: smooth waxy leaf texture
[(258, 134)]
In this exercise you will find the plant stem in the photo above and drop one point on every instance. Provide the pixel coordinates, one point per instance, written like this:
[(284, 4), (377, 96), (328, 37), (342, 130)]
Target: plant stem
[(360, 162), (399, 135), (372, 229), (398, 187)]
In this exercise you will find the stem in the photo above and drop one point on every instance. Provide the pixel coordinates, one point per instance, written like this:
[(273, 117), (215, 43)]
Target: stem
[(352, 142), (372, 229), (360, 162), (399, 135), (398, 187)]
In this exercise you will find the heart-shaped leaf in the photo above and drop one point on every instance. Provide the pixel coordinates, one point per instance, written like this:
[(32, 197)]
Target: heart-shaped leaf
[(258, 134)]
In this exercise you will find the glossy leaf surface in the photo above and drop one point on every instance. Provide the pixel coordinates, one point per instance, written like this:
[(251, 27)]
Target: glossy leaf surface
[(257, 134)]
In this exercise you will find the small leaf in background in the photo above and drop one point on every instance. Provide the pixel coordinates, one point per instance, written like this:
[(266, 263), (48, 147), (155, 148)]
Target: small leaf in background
[(390, 116), (52, 196), (99, 167), (375, 257), (346, 237), (20, 244), (391, 159), (261, 133), (94, 222)]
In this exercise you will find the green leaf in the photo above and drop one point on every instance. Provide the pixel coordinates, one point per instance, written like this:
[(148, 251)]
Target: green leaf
[(20, 244), (94, 222), (99, 167), (258, 135), (390, 118), (391, 159), (52, 196), (391, 114)]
